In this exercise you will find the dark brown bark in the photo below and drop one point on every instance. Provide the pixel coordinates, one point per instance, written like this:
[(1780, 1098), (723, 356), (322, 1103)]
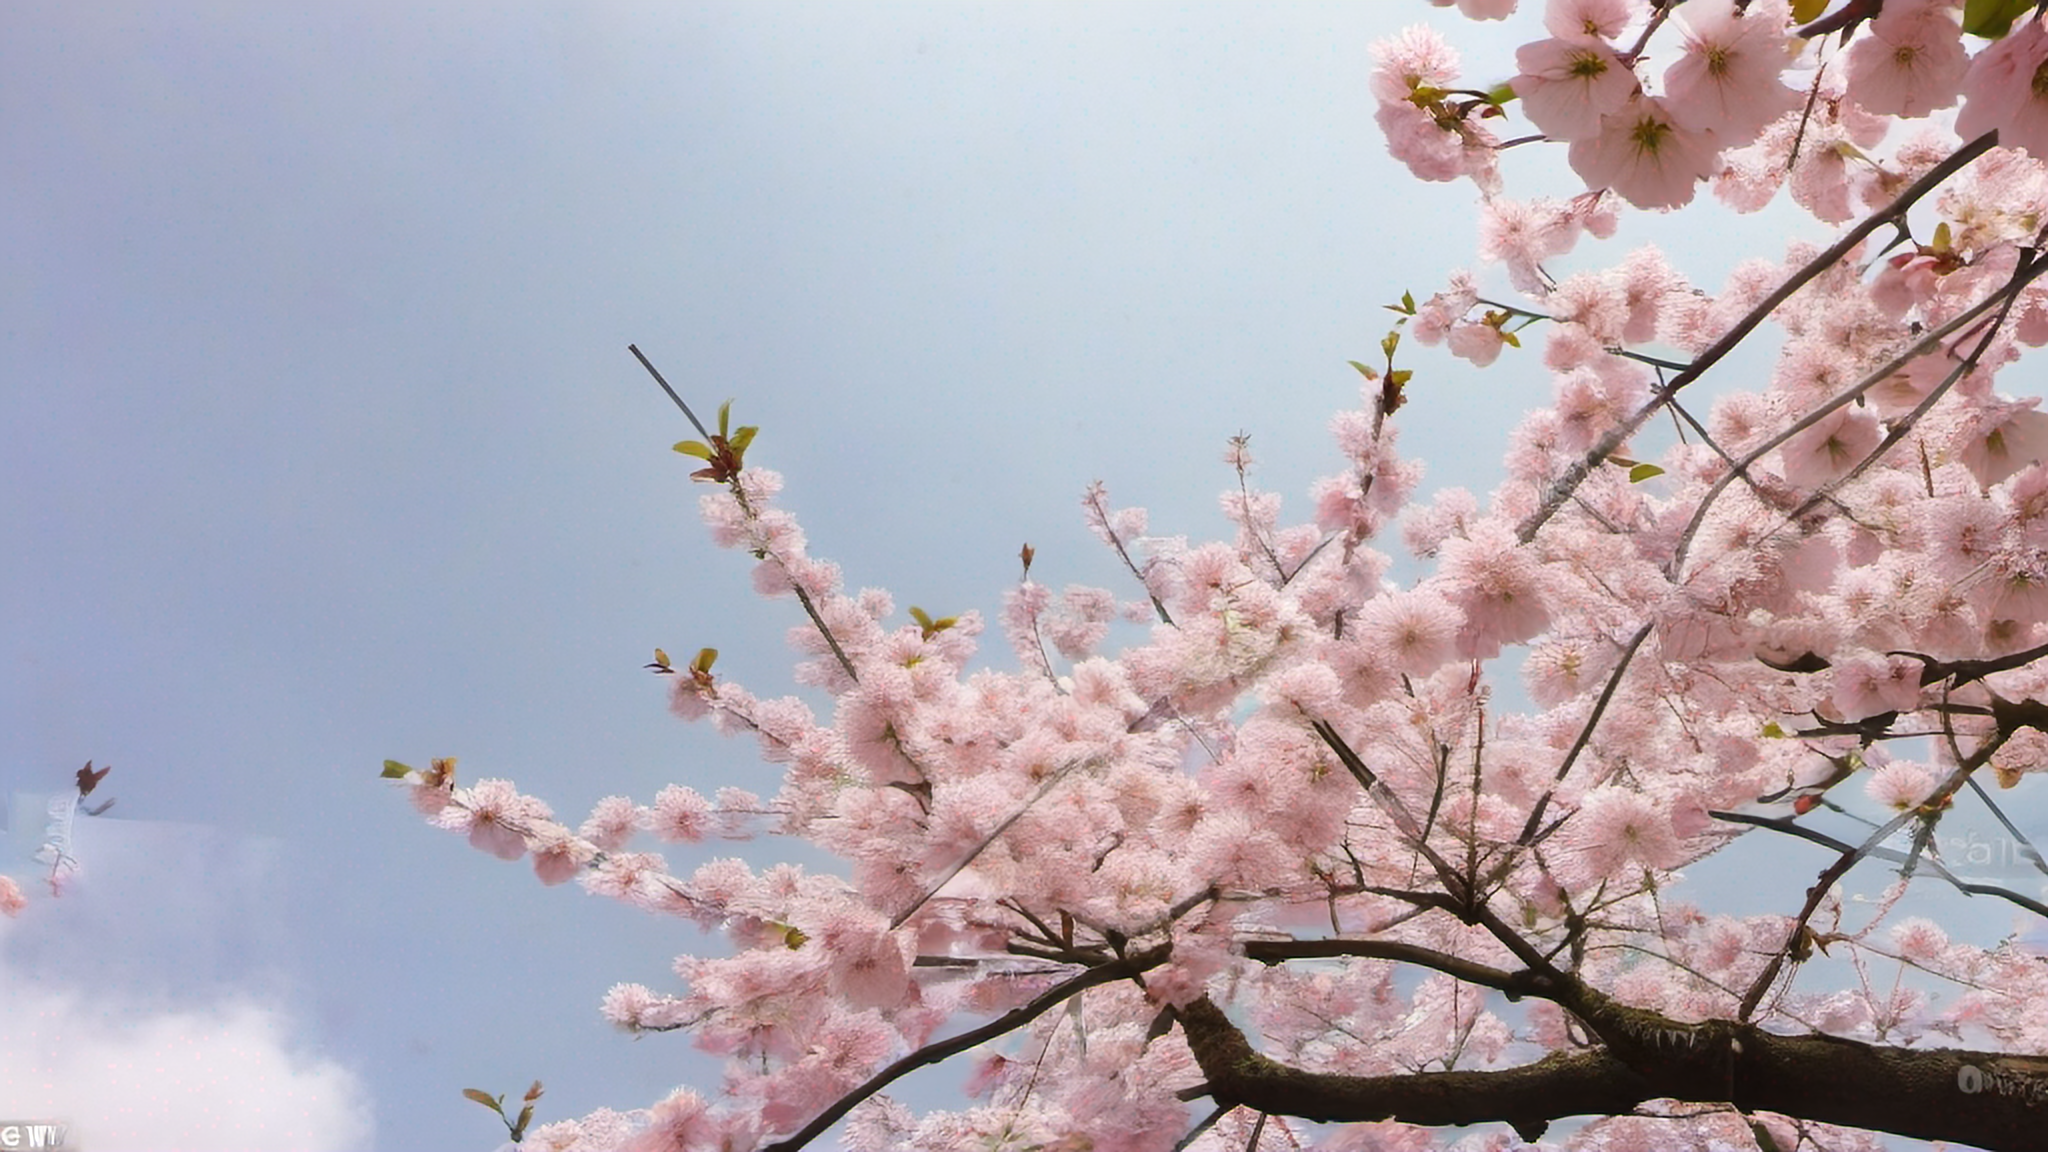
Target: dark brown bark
[(1991, 1100)]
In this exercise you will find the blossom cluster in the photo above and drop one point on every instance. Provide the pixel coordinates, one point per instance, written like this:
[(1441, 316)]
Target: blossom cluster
[(1747, 94), (1839, 575)]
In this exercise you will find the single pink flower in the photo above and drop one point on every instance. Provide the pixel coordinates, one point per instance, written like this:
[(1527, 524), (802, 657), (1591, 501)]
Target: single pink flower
[(681, 1123), (1909, 61), (1919, 939), (1832, 446), (1900, 785), (1480, 9), (1728, 81), (680, 814), (1416, 57), (1566, 86), (612, 822), (1643, 155), (1586, 21), (1476, 342), (11, 899), (2007, 89), (1617, 826)]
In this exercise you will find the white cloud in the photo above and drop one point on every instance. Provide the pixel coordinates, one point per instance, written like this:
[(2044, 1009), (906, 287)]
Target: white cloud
[(140, 1007), (133, 1078)]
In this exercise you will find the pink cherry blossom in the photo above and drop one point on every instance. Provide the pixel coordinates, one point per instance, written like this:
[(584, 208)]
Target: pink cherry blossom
[(1481, 9), (1616, 827), (612, 822), (680, 1123), (1566, 86), (1919, 938), (1304, 812), (495, 817), (1833, 445), (1500, 586), (1868, 684), (1435, 316), (1477, 342), (1418, 57), (2006, 89), (1586, 21), (1642, 154), (1908, 61), (1727, 82), (1418, 631), (1900, 786)]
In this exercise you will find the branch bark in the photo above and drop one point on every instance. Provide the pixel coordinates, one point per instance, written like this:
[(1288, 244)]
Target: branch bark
[(1995, 1101)]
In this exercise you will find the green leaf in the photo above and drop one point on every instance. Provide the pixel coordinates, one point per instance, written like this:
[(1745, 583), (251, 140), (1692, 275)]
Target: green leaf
[(705, 658), (525, 1118), (1992, 19), (1642, 472), (1368, 373), (742, 438), (393, 770), (923, 621), (1408, 302), (694, 448), (1392, 342), (484, 1098), (1399, 376), (1503, 92), (724, 416), (1772, 731)]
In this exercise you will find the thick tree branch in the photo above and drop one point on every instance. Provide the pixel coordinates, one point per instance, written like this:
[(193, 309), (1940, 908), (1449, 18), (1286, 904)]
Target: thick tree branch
[(1515, 984), (1991, 1100)]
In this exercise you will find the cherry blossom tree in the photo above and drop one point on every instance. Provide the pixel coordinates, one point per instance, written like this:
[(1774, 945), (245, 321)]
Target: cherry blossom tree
[(1332, 861)]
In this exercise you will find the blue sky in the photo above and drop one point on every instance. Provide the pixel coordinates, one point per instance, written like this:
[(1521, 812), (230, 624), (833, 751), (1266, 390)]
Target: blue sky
[(321, 445)]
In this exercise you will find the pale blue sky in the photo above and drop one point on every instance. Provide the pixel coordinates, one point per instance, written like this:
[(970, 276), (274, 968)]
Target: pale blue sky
[(320, 442)]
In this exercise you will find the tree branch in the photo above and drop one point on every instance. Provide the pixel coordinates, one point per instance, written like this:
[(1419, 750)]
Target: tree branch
[(940, 1050), (1567, 483), (1991, 1100)]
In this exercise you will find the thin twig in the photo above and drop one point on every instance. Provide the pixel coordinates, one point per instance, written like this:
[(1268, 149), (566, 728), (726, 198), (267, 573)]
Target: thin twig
[(941, 1050), (1052, 781), (2000, 298), (652, 371), (1849, 858), (1585, 736), (1566, 483), (1790, 827)]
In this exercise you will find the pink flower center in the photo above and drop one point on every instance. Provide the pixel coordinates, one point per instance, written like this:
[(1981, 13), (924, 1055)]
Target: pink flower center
[(1587, 65), (1649, 135)]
